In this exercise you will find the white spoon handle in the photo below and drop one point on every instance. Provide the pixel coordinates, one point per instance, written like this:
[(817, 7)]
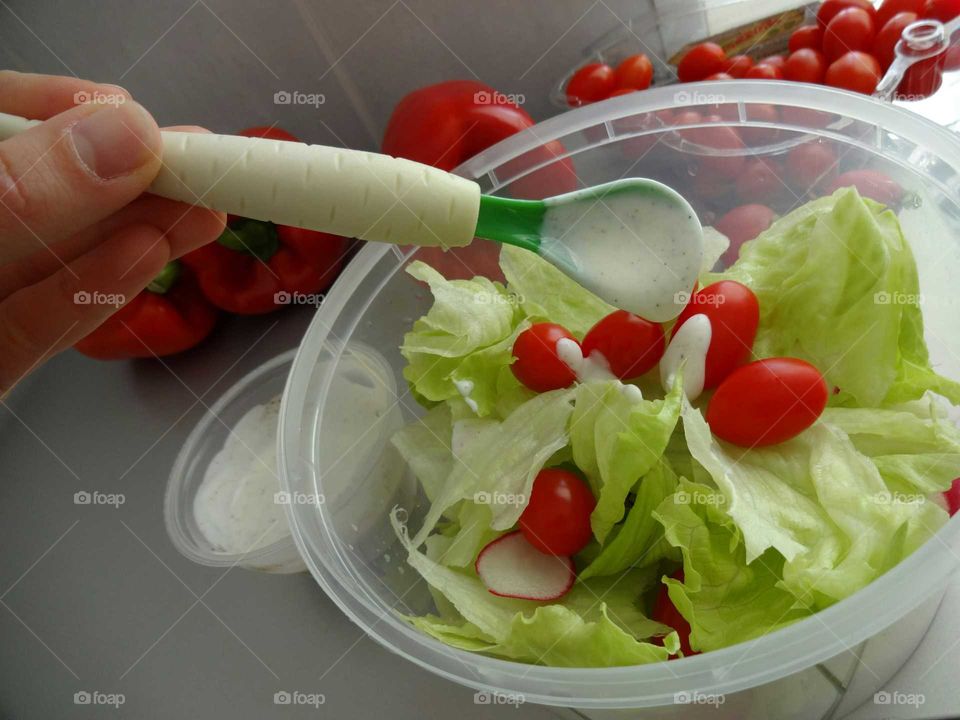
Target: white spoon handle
[(345, 192)]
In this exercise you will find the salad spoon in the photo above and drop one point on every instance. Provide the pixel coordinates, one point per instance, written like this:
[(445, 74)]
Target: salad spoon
[(634, 242)]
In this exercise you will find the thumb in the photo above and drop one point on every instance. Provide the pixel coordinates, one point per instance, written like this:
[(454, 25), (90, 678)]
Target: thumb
[(71, 171)]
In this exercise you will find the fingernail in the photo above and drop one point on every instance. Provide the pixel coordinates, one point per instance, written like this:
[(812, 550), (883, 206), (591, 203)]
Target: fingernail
[(116, 139)]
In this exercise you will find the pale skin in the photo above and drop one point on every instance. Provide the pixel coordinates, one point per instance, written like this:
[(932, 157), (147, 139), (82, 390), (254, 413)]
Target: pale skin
[(74, 216)]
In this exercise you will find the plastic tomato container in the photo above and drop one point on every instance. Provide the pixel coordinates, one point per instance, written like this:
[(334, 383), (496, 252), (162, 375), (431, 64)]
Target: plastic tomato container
[(821, 667), (666, 29)]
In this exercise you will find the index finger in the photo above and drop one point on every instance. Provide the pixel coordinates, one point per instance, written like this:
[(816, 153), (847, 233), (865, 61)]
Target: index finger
[(40, 97)]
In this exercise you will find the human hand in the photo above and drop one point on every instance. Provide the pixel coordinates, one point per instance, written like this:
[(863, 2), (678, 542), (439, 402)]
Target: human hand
[(74, 219)]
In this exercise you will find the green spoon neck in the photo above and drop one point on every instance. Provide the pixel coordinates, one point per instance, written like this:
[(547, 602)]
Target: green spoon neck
[(512, 222)]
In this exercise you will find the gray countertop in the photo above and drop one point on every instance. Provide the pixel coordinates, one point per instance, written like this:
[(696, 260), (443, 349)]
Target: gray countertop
[(95, 598)]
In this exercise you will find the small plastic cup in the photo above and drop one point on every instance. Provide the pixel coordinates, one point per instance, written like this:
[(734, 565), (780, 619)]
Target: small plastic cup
[(207, 439), (366, 393)]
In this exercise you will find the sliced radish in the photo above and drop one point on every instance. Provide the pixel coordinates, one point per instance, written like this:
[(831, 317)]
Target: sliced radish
[(512, 567)]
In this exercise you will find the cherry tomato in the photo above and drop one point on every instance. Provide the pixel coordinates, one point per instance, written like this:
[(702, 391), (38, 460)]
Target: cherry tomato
[(592, 82), (808, 36), (806, 117), (922, 79), (623, 91), (889, 8), (728, 111), (952, 496), (537, 364), (721, 137), (851, 29), (700, 61), (635, 73), (765, 113), (806, 65), (742, 224), (630, 344), (720, 76), (760, 181), (942, 10), (737, 66), (885, 43), (767, 402), (811, 163), (664, 611), (734, 315), (764, 71), (775, 60), (556, 521), (271, 133), (830, 8), (685, 118), (855, 71), (705, 188), (871, 184)]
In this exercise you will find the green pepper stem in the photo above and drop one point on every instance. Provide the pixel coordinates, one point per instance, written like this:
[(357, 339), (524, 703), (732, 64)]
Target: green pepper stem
[(166, 279), (254, 237)]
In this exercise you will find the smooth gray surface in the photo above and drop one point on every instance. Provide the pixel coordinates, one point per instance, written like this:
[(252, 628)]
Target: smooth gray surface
[(96, 598), (218, 63)]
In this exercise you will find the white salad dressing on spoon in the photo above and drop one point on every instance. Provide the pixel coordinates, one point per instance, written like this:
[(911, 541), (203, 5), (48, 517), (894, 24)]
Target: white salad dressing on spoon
[(638, 248), (688, 346), (592, 367)]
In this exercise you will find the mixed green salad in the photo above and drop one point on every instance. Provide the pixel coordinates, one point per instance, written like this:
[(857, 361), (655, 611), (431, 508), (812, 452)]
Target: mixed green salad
[(693, 543)]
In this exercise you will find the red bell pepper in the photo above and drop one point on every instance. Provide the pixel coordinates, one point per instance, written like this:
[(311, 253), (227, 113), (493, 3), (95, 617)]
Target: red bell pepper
[(170, 316), (255, 267), (444, 125)]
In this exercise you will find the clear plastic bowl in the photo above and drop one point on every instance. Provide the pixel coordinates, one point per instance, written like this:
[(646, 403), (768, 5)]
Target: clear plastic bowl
[(823, 666)]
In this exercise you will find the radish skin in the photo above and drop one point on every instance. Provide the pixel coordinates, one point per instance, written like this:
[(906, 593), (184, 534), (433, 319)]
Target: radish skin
[(344, 192)]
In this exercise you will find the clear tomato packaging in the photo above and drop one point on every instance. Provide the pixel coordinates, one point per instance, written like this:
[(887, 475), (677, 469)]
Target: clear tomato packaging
[(750, 34), (665, 32)]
